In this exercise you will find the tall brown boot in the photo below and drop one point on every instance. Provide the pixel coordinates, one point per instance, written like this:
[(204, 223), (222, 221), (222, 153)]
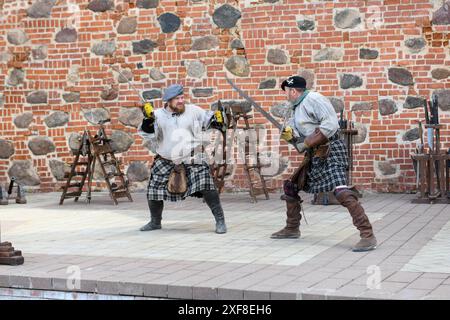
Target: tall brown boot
[(360, 220), (292, 228)]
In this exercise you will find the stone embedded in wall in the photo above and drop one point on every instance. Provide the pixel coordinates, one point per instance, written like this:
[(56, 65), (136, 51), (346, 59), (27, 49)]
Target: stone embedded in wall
[(24, 173), (24, 120), (386, 168), (104, 48), (96, 115), (338, 104), (195, 69), (348, 81), (125, 75), (362, 133), (309, 76), (74, 141), (236, 105), (368, 54), (306, 24), (237, 44), (281, 110), (39, 53), (41, 9), (16, 37), (267, 84), (56, 119), (401, 76), (226, 16), (329, 54), (152, 94), (442, 16), (156, 74), (144, 46), (59, 169), (127, 25), (40, 146), (138, 171), (71, 97), (150, 145), (66, 35), (109, 94), (277, 56), (443, 96), (16, 77), (387, 107), (415, 45), (205, 43), (414, 102), (440, 73), (73, 75), (1, 100), (37, 97), (270, 1), (6, 149), (238, 66), (202, 92), (121, 141), (169, 22), (411, 135), (131, 117), (147, 4), (362, 106), (101, 5), (347, 19)]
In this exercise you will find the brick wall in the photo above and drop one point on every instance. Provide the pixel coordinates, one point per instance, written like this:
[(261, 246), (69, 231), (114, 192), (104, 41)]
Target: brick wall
[(376, 59)]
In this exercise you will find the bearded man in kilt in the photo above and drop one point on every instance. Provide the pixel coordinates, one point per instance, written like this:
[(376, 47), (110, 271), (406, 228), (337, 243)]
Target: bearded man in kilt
[(176, 134), (314, 129)]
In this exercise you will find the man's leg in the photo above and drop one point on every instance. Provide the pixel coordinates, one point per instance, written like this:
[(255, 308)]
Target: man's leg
[(212, 199), (292, 228), (349, 199), (156, 209)]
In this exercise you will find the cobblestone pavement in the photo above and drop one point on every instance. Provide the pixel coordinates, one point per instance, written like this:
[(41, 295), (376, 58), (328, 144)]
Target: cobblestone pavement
[(100, 244)]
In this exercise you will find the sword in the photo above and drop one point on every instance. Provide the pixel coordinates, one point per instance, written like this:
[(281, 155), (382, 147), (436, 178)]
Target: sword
[(267, 115)]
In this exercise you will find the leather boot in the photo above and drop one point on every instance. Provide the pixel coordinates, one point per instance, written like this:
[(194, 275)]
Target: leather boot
[(156, 208), (360, 220), (292, 228), (212, 199)]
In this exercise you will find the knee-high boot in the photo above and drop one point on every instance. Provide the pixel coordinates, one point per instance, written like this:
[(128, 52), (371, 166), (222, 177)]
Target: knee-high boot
[(292, 228), (156, 209), (360, 220), (212, 199)]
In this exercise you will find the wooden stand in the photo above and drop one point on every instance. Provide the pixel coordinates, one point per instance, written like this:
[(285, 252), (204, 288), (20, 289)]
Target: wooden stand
[(10, 256), (433, 172), (252, 170), (94, 150)]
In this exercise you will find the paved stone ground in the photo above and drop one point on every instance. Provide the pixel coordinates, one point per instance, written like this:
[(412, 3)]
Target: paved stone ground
[(100, 244)]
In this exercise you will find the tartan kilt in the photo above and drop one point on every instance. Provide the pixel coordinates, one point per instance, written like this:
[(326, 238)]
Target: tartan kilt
[(325, 175), (198, 179)]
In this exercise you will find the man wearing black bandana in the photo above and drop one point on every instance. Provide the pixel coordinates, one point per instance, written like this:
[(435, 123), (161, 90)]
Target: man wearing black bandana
[(176, 133), (314, 129)]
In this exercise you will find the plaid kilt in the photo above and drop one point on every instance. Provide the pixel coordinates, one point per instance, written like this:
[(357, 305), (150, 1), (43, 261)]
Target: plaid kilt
[(325, 175), (198, 177)]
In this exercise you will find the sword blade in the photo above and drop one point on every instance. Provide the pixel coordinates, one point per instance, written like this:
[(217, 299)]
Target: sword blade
[(256, 105)]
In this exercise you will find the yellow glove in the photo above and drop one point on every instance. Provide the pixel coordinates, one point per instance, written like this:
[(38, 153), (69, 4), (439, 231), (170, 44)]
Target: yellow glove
[(218, 116), (287, 134), (148, 110)]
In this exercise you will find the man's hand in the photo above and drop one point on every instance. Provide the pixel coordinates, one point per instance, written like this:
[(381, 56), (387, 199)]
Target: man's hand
[(287, 134), (149, 118), (148, 110)]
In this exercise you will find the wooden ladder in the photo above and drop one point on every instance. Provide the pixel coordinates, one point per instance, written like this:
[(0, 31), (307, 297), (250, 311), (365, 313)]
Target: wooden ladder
[(95, 150), (252, 171)]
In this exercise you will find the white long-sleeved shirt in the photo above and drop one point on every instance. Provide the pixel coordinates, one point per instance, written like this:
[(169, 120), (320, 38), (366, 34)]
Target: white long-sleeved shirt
[(314, 111), (176, 136)]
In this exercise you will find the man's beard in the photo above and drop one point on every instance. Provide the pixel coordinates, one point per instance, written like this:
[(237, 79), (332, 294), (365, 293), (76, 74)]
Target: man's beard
[(179, 108)]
